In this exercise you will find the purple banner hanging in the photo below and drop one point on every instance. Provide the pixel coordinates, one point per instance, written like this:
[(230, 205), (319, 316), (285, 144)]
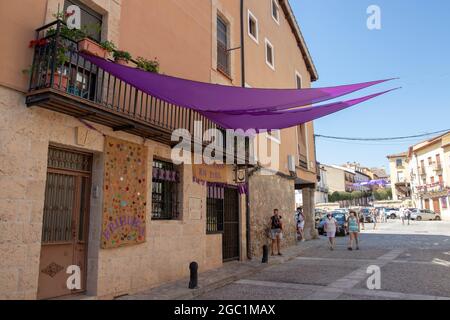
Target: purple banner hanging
[(209, 97)]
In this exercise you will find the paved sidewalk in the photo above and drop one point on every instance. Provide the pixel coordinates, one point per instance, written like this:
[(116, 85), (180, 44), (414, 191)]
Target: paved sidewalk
[(214, 279)]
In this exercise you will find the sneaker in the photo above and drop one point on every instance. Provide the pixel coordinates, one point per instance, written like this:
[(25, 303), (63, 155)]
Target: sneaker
[(357, 248), (350, 249), (303, 240), (279, 253)]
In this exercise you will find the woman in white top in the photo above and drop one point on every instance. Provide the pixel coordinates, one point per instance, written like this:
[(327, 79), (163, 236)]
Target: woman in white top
[(300, 223), (330, 228)]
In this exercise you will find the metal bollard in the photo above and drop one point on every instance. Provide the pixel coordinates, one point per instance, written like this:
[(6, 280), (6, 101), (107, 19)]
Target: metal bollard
[(265, 258), (193, 267)]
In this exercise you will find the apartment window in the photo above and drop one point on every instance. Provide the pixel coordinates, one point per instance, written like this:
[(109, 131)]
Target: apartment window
[(165, 180), (441, 179), (223, 55), (298, 80), (270, 55), (90, 19), (432, 180), (430, 161), (214, 209), (275, 11), (253, 27), (399, 163)]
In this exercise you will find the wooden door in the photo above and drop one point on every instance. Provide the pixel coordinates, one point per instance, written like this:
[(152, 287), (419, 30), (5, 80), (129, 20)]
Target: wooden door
[(427, 204), (65, 221), (436, 206)]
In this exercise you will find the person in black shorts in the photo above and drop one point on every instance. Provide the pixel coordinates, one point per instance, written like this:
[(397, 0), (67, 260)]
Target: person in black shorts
[(276, 229)]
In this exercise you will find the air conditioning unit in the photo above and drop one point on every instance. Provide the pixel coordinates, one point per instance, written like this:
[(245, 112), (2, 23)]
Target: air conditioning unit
[(291, 163)]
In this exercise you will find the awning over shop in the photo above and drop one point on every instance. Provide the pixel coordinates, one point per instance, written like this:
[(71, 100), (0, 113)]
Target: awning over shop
[(235, 107)]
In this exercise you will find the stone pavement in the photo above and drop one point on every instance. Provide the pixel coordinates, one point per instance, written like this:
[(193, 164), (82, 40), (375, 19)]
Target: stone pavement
[(414, 262), (215, 279)]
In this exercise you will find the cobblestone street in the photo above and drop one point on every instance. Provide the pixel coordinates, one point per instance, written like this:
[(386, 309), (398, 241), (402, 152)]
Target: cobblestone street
[(414, 262)]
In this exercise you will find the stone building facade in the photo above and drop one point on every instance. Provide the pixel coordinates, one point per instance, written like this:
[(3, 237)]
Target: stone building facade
[(186, 47)]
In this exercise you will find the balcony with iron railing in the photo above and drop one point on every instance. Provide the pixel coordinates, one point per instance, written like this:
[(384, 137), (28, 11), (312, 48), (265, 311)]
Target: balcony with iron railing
[(63, 81), (437, 166), (422, 171)]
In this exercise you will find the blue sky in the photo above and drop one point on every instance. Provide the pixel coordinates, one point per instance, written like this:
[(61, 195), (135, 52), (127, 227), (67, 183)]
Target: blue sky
[(413, 44)]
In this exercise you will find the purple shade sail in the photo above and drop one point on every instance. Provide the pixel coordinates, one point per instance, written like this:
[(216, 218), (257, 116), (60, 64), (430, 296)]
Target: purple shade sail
[(282, 119), (208, 97)]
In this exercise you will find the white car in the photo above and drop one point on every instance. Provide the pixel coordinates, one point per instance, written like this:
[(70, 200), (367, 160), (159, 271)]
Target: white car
[(425, 214), (392, 213)]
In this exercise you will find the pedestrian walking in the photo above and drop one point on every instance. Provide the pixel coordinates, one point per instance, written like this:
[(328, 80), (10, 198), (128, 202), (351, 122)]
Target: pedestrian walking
[(383, 214), (361, 218), (375, 217), (408, 215), (330, 228), (402, 213), (276, 231), (354, 230), (300, 223)]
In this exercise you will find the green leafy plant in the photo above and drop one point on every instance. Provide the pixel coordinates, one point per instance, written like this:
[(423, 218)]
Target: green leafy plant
[(122, 55), (147, 65), (108, 46)]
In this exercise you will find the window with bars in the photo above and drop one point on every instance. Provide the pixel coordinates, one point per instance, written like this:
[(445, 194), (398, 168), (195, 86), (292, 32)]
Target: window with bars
[(214, 209), (165, 180), (223, 55)]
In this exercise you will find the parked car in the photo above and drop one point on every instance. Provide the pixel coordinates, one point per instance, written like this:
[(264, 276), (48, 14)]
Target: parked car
[(392, 213), (341, 219), (425, 214), (367, 214)]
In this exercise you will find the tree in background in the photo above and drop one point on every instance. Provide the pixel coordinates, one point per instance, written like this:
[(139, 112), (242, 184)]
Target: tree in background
[(382, 194)]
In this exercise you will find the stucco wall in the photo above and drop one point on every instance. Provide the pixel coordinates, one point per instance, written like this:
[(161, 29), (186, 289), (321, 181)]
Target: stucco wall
[(25, 135), (268, 193)]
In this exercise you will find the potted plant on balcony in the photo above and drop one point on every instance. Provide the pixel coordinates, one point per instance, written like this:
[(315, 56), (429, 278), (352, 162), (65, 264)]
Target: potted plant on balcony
[(60, 78), (147, 65), (102, 50), (122, 57)]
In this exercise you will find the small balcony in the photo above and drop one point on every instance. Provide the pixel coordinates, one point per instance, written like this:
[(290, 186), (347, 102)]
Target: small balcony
[(437, 167), (63, 81), (422, 171)]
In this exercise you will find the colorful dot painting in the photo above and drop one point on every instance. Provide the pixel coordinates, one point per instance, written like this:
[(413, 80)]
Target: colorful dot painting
[(124, 209)]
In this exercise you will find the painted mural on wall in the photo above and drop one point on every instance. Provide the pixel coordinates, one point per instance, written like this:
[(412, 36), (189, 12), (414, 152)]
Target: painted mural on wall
[(124, 193)]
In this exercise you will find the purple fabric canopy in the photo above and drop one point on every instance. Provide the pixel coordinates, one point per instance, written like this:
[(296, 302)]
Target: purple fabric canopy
[(208, 97), (282, 119)]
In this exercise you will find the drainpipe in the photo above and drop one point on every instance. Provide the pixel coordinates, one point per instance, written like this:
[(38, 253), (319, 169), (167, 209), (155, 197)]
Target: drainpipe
[(247, 196)]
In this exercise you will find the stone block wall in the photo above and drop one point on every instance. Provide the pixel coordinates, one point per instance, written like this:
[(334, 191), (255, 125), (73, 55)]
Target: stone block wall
[(268, 192), (25, 135)]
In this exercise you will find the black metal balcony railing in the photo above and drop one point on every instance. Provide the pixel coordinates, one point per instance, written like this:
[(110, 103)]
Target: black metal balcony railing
[(437, 166), (223, 59), (62, 80)]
